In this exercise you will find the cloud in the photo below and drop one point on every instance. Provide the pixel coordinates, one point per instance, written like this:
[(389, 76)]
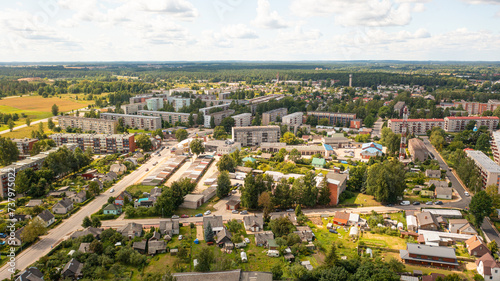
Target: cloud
[(481, 2), (177, 8), (239, 31), (268, 19)]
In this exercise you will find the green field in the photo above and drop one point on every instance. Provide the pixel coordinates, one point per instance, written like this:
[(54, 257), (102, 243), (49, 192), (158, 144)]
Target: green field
[(26, 131)]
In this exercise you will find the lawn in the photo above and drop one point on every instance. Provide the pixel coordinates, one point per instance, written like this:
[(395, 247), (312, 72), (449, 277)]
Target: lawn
[(142, 188), (25, 132), (202, 209), (363, 200)]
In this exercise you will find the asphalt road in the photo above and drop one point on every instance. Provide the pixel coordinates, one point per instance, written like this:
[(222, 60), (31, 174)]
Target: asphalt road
[(68, 226), (377, 127), (490, 232)]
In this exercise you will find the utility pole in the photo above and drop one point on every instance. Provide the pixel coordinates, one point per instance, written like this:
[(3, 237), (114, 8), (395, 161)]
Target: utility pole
[(404, 132)]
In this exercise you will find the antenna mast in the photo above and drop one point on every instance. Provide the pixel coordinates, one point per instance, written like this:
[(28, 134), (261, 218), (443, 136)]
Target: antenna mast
[(404, 132)]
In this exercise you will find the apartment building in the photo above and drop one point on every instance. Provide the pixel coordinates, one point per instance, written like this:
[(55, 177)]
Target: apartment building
[(242, 120), (154, 103), (294, 119), (253, 103), (99, 126), (135, 121), (217, 116), (458, 124), (495, 146), (272, 115), (477, 108), (255, 135), (24, 146), (343, 119), (418, 150), (98, 143), (133, 108), (142, 98), (398, 108), (179, 102), (304, 150), (170, 117), (206, 110), (429, 255), (415, 126), (490, 171), (222, 147), (182, 90), (8, 173)]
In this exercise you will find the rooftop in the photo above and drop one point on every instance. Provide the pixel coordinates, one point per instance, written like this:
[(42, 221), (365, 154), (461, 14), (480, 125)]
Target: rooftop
[(484, 161)]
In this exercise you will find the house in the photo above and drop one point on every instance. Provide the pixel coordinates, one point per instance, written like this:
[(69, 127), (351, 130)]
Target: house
[(90, 174), (353, 219), (427, 221), (118, 169), (261, 238), (16, 241), (20, 217), (215, 222), (467, 229), (223, 237), (476, 246), (427, 193), (169, 227), (454, 226), (253, 223), (341, 218), (80, 197), (84, 248), (307, 265), (444, 192), (156, 247), (156, 236), (112, 209), (429, 255), (73, 269), (231, 275), (371, 149), (110, 176), (251, 159), (63, 206), (143, 202), (30, 274), (233, 204), (99, 183), (266, 156), (433, 277), (305, 233), (337, 184), (120, 199), (433, 174), (140, 246), (96, 232), (34, 203), (488, 267), (289, 215), (47, 217), (437, 183), (318, 162), (193, 201), (272, 245), (440, 238), (411, 223), (131, 230)]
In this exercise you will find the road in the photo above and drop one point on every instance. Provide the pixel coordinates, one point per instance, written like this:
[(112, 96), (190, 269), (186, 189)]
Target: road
[(455, 183), (490, 231), (377, 128), (72, 224)]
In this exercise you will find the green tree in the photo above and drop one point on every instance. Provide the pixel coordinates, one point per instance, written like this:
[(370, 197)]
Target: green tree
[(493, 246), (55, 109), (332, 258), (11, 124), (277, 271), (205, 259), (369, 121), (200, 119), (227, 123), (386, 181), (492, 191), (324, 194), (166, 203), (8, 151), (483, 143), (209, 233), (50, 124), (28, 121), (294, 155), (157, 132), (197, 146), (212, 122), (219, 133), (223, 184), (191, 120), (144, 142), (236, 157), (33, 230), (181, 134), (298, 210), (226, 163), (290, 139), (324, 122), (265, 203), (86, 222), (257, 120), (437, 138), (480, 207), (281, 226)]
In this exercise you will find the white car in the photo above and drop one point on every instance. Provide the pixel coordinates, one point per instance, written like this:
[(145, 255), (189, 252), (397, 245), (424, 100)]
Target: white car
[(207, 213), (112, 190), (180, 237), (467, 194)]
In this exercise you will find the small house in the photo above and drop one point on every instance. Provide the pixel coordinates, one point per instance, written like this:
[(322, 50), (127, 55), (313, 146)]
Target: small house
[(33, 203), (253, 223), (169, 227), (433, 174), (341, 218), (318, 162), (488, 267), (30, 274), (112, 209), (272, 245), (140, 246), (118, 169), (47, 217), (444, 192), (223, 237), (84, 248), (476, 246), (72, 270), (131, 230), (120, 199), (233, 204), (427, 221), (96, 232), (156, 247), (80, 197), (63, 206), (261, 238)]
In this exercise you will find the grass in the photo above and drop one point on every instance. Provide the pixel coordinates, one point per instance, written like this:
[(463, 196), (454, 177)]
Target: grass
[(26, 131), (363, 200), (142, 188), (428, 270), (202, 209)]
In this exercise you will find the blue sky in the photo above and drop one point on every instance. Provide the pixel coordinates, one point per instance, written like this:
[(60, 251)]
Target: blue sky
[(172, 30)]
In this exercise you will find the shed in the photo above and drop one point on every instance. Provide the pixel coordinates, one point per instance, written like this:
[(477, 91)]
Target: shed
[(354, 232)]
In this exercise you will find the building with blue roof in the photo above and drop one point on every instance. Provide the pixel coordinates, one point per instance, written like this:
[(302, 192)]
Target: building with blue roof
[(371, 149)]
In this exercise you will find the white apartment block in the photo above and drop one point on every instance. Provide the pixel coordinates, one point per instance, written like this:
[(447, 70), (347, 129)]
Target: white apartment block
[(98, 143), (490, 171), (294, 119), (242, 120), (133, 108), (458, 124), (182, 90), (217, 116), (99, 126), (179, 102), (135, 121), (255, 135), (170, 117), (415, 126), (272, 115), (206, 110), (495, 146), (154, 103)]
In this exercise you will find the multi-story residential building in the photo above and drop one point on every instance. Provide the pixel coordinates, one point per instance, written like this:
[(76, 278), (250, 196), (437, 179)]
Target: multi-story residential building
[(293, 119), (99, 126), (495, 146), (98, 143), (304, 150), (154, 103), (8, 173), (224, 95), (170, 117), (133, 108), (255, 135), (217, 116), (253, 103), (142, 98), (206, 110), (458, 124), (272, 115), (398, 108), (415, 126), (24, 146), (179, 102), (135, 121), (242, 120), (206, 98), (417, 149), (477, 108), (182, 90), (489, 170), (337, 184), (343, 119), (429, 255)]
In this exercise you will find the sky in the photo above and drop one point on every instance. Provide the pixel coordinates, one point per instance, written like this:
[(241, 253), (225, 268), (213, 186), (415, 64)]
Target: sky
[(275, 30)]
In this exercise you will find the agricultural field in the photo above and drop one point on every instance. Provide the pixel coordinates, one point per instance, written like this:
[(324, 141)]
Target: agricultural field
[(26, 131)]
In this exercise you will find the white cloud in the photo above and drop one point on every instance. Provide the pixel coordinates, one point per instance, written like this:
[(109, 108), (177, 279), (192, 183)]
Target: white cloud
[(239, 31), (480, 2), (178, 8), (267, 18)]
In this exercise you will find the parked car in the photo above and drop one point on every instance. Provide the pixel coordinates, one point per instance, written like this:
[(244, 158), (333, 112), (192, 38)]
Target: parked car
[(184, 216), (207, 213), (245, 212), (438, 203), (234, 191), (333, 231), (112, 190), (199, 215), (235, 211), (180, 237), (290, 210), (467, 194), (147, 169), (428, 203), (416, 203), (175, 216), (405, 203), (3, 235)]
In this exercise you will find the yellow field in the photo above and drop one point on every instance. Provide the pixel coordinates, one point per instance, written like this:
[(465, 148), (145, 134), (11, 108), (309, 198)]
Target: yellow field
[(26, 131), (39, 104)]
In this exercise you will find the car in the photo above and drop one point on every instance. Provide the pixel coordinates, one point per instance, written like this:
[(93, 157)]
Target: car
[(167, 147), (234, 191), (290, 210), (277, 210), (184, 216), (390, 205), (159, 154), (199, 215), (333, 231), (428, 203), (245, 212), (180, 237), (247, 240), (416, 203), (235, 211), (175, 216), (207, 213), (405, 203), (438, 203), (467, 194), (112, 190), (147, 169)]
